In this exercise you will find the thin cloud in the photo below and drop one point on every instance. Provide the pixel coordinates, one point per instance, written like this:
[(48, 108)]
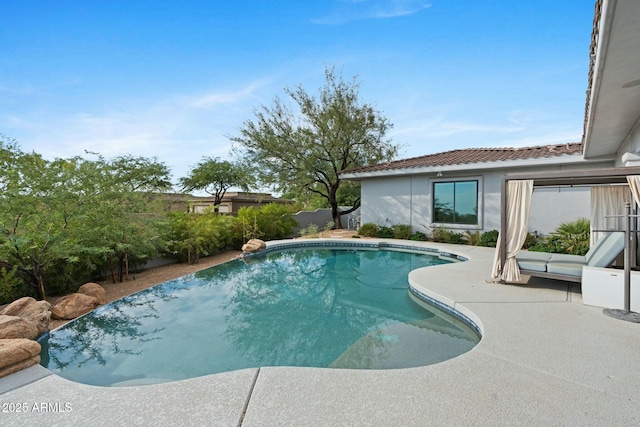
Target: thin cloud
[(355, 10), (215, 99)]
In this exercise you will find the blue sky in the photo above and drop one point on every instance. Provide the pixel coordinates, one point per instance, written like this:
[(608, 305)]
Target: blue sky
[(174, 79)]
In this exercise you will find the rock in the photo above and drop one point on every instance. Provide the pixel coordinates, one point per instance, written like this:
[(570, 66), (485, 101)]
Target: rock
[(19, 366), (41, 321), (17, 354), (16, 307), (17, 327), (254, 245), (94, 290), (72, 306), (35, 311)]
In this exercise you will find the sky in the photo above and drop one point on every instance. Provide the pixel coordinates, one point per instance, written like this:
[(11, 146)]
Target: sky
[(175, 79)]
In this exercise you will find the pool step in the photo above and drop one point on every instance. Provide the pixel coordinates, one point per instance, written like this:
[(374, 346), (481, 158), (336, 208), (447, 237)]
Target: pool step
[(401, 345)]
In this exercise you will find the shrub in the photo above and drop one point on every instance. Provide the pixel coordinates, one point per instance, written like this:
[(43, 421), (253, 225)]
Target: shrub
[(546, 245), (472, 238), (443, 235), (369, 229), (489, 238), (269, 222), (456, 238), (568, 238), (530, 240), (401, 231), (11, 287), (310, 231), (385, 232), (194, 235), (419, 236)]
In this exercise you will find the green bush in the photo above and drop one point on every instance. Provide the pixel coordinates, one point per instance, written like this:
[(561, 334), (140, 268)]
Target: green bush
[(456, 238), (530, 240), (11, 287), (269, 222), (311, 230), (569, 238), (546, 245), (193, 235), (444, 235), (369, 229), (401, 231), (419, 236), (472, 238), (489, 238), (385, 232)]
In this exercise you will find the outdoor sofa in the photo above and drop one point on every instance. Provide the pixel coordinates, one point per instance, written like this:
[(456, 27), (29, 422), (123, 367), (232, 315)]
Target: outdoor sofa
[(569, 267)]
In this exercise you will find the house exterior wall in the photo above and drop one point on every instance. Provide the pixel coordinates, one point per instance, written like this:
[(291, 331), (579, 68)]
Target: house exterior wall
[(408, 200)]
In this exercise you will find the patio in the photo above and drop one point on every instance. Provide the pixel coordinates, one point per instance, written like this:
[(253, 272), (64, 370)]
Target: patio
[(544, 359)]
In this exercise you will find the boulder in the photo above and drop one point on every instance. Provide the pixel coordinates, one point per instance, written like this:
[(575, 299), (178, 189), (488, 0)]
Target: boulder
[(17, 327), (254, 245), (19, 366), (73, 305), (94, 290), (18, 306), (35, 311), (40, 320), (17, 354)]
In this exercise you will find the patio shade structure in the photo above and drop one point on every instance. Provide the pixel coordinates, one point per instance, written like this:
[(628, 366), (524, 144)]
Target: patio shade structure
[(503, 268)]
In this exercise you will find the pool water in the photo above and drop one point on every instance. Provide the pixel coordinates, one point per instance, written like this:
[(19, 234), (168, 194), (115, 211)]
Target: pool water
[(304, 307)]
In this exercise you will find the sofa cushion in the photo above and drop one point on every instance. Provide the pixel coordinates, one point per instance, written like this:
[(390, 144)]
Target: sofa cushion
[(568, 268), (578, 259), (534, 256), (532, 265)]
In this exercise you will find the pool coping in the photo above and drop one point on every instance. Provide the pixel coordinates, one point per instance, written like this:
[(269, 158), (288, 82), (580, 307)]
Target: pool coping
[(544, 358)]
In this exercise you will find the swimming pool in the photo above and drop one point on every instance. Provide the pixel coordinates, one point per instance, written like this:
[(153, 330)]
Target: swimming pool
[(339, 307)]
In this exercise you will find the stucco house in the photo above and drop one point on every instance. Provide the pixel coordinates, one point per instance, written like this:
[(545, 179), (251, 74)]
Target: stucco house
[(460, 189), (231, 202)]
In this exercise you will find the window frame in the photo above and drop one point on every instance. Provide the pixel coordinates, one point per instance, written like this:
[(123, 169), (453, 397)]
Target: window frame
[(479, 202)]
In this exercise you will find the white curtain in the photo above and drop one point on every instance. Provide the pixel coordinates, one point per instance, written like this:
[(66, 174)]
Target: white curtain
[(517, 212), (607, 201), (634, 185)]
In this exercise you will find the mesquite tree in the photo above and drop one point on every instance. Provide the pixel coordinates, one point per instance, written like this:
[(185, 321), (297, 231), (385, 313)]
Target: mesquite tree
[(306, 150)]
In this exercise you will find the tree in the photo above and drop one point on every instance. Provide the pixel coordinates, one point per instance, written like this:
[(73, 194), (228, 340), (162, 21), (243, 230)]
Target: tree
[(305, 152), (215, 177), (59, 219)]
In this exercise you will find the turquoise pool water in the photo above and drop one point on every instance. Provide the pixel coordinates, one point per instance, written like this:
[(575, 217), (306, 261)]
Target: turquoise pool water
[(321, 307)]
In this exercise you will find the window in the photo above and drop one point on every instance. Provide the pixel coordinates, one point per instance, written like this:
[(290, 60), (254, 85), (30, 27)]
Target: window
[(455, 202)]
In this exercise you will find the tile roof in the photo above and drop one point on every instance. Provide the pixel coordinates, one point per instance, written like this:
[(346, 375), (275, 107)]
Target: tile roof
[(593, 49), (475, 155)]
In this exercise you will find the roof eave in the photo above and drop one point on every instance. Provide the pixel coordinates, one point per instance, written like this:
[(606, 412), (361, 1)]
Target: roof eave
[(602, 35), (502, 164)]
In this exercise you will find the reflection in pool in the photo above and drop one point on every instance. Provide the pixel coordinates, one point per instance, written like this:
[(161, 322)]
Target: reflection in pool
[(305, 307)]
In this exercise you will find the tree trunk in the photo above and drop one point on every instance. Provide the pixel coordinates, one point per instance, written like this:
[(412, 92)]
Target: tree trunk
[(120, 268), (336, 215), (113, 274), (333, 202)]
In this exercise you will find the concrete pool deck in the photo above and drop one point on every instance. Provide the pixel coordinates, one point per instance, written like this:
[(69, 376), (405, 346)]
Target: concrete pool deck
[(544, 359)]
